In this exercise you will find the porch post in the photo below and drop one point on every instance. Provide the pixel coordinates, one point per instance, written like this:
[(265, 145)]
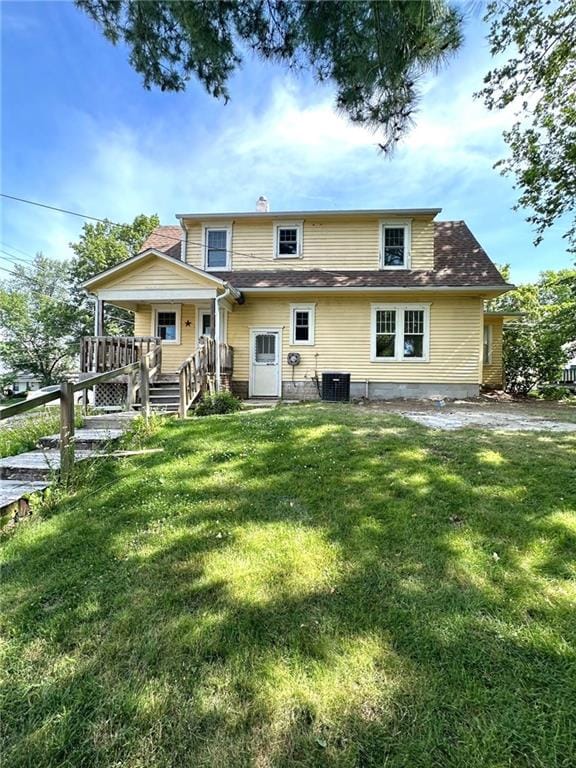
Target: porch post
[(98, 317), (213, 318)]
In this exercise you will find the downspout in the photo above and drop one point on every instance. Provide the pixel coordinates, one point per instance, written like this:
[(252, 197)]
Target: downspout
[(217, 301), (184, 243)]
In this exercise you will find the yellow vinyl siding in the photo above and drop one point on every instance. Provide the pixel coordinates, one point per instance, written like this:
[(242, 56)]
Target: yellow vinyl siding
[(173, 355), (330, 243), (343, 337), (493, 372), (155, 273)]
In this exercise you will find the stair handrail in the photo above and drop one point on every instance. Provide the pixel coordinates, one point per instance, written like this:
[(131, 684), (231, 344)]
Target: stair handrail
[(193, 374), (146, 367)]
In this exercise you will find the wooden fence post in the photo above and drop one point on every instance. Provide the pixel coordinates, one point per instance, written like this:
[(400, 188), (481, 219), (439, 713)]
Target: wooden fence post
[(130, 391), (66, 430), (145, 386)]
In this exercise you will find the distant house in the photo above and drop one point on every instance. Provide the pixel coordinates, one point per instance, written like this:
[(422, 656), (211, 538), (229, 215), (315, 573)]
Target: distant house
[(569, 372), (23, 382), (395, 298)]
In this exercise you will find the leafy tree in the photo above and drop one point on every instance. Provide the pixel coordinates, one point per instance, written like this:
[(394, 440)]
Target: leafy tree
[(539, 76), (39, 324), (536, 346), (373, 52), (533, 356), (103, 245)]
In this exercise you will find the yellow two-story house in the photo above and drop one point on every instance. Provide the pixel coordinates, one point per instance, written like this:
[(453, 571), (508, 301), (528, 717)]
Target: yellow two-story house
[(394, 298)]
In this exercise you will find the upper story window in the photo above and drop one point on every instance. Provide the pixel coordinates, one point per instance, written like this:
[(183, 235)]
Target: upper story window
[(395, 245), (400, 332), (288, 240), (302, 322), (217, 247)]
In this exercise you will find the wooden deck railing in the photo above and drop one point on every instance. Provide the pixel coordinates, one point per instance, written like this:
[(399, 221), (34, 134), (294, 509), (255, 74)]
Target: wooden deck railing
[(107, 353), (196, 374), (140, 373), (569, 375)]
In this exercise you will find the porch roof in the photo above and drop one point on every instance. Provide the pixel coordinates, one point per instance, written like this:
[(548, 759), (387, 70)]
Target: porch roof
[(130, 264)]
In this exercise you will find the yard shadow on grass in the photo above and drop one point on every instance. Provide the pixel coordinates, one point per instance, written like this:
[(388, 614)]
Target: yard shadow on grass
[(314, 587)]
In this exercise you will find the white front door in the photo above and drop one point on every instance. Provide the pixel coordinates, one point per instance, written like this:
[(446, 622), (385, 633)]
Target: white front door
[(265, 354)]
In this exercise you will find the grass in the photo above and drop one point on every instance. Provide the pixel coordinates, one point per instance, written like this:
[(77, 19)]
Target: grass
[(316, 586), (22, 433)]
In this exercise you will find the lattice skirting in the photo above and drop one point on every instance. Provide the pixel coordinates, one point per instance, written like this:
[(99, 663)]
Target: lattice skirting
[(106, 395)]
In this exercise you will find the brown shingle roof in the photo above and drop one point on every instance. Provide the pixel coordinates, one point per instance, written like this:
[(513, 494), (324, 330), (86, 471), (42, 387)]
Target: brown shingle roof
[(460, 262), (166, 239)]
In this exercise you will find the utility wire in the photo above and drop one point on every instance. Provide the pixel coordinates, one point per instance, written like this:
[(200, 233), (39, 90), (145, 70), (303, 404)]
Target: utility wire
[(170, 238)]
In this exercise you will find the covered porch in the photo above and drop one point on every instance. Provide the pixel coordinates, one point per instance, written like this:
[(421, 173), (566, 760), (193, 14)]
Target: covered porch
[(180, 312)]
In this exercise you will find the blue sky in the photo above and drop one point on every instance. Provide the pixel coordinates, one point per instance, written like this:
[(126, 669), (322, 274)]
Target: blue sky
[(80, 132)]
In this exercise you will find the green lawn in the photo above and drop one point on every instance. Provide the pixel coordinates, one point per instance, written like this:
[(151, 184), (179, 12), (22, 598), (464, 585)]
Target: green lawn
[(313, 586)]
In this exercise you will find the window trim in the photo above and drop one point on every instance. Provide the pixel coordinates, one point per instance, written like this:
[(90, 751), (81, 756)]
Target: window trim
[(177, 308), (487, 344), (311, 309), (299, 227), (214, 227), (399, 341), (405, 224)]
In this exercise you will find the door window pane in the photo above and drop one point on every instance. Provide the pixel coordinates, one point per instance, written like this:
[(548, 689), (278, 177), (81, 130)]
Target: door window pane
[(166, 326), (265, 348), (206, 324), (216, 248)]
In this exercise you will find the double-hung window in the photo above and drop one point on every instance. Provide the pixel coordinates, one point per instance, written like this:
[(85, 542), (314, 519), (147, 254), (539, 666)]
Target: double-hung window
[(302, 323), (400, 332), (167, 324), (288, 240), (395, 245), (217, 247)]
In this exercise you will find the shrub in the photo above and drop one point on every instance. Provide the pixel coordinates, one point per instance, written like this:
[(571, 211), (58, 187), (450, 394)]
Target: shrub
[(553, 392), (219, 402)]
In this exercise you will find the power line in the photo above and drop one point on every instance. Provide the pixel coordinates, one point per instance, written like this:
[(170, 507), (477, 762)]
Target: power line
[(18, 250), (172, 239), (12, 256)]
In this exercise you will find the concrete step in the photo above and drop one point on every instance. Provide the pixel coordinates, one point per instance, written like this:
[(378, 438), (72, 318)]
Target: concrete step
[(37, 465), (12, 492), (253, 403), (85, 438)]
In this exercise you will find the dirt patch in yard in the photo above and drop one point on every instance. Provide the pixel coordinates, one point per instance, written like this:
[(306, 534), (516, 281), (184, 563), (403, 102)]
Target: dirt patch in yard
[(484, 414)]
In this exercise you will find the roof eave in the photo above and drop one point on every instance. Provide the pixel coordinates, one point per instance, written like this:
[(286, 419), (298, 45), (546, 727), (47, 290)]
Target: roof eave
[(309, 214)]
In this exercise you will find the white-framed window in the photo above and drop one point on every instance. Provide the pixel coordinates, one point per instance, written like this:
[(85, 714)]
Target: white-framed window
[(166, 322), (288, 239), (217, 247), (395, 244), (302, 322), (400, 332), (487, 345)]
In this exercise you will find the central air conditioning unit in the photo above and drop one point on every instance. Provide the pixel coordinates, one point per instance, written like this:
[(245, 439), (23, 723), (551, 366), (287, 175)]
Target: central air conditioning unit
[(336, 387)]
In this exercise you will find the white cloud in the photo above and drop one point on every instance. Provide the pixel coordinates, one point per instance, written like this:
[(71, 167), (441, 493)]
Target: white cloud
[(300, 154)]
